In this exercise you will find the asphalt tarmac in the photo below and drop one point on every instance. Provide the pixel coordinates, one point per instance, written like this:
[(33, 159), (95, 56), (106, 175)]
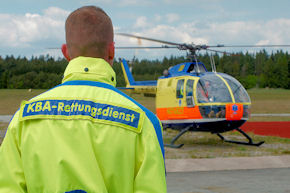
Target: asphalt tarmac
[(265, 174), (274, 180)]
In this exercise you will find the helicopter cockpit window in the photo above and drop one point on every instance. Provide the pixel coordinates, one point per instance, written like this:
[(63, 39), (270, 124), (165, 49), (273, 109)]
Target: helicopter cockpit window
[(239, 92), (189, 93), (180, 88), (212, 89)]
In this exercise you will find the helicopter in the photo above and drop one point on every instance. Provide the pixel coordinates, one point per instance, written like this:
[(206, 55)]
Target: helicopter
[(191, 98)]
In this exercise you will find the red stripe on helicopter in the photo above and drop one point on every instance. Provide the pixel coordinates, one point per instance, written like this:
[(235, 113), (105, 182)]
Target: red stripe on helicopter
[(178, 113)]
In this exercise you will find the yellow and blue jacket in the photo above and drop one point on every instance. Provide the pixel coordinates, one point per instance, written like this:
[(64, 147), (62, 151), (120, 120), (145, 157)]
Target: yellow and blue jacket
[(83, 136)]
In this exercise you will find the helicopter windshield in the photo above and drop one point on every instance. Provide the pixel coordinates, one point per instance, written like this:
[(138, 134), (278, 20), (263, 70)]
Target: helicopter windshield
[(239, 92), (212, 89)]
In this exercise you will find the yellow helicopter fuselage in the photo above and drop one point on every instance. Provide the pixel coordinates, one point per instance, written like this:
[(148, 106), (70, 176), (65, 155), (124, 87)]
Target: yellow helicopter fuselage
[(180, 100)]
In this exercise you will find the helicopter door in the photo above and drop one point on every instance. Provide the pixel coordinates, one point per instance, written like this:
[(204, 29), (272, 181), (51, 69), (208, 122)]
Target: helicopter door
[(189, 93)]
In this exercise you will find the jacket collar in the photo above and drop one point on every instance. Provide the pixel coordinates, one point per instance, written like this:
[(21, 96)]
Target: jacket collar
[(92, 69)]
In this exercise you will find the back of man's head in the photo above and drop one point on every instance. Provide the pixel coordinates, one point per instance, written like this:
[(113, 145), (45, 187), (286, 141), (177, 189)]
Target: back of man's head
[(89, 32)]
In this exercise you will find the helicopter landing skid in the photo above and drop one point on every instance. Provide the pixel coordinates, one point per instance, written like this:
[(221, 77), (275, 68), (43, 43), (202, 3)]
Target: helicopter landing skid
[(250, 141), (172, 145)]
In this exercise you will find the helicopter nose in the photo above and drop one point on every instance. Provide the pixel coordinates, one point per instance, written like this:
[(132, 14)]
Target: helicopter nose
[(234, 111)]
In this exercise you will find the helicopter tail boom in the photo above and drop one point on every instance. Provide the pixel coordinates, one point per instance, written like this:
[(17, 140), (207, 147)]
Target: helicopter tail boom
[(127, 74), (141, 87)]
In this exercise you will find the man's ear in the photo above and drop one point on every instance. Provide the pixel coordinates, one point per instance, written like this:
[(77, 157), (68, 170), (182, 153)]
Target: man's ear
[(65, 52), (111, 53)]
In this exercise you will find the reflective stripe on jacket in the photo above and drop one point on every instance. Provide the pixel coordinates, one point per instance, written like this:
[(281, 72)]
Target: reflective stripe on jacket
[(83, 136)]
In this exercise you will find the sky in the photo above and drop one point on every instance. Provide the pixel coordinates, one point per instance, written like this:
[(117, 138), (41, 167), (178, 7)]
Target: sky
[(30, 27)]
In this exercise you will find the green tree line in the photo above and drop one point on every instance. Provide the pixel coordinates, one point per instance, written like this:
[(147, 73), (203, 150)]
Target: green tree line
[(252, 70)]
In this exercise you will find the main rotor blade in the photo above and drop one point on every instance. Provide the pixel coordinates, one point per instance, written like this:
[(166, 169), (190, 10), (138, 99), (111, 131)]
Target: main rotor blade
[(223, 52), (147, 47), (149, 39), (247, 46), (132, 47)]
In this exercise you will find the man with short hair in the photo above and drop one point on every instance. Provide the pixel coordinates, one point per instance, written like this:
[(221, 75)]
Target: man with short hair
[(84, 135)]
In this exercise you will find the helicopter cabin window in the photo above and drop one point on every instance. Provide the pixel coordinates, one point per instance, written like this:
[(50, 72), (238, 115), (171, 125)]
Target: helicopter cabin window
[(239, 92), (180, 89), (189, 93), (212, 89)]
